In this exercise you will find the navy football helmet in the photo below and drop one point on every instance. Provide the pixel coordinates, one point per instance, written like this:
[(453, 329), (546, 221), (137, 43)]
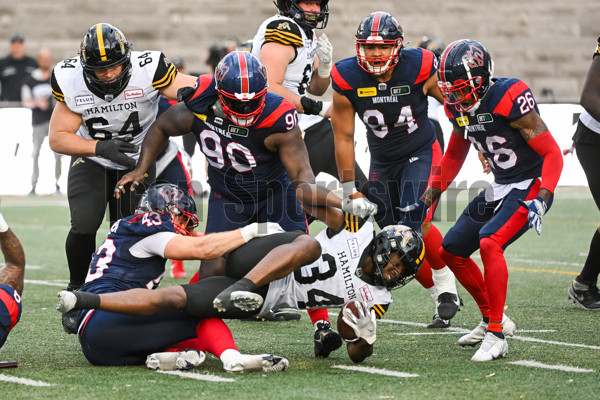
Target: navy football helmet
[(172, 201), (306, 19), (379, 28), (104, 47), (402, 240), (465, 74), (242, 84)]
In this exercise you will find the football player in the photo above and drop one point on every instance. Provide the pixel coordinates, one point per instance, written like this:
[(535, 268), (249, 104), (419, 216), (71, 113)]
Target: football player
[(388, 86), (500, 117), (107, 99), (300, 64), (133, 256), (343, 263), (11, 280), (584, 289)]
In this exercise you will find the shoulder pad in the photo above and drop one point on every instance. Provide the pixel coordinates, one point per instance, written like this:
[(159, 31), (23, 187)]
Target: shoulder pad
[(284, 31)]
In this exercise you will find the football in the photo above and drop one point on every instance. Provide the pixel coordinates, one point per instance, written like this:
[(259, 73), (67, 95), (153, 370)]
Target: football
[(345, 331)]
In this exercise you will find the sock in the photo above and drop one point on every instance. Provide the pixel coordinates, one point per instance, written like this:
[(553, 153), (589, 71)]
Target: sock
[(195, 278), (229, 355), (486, 320), (215, 337), (496, 276), (433, 292), (591, 268), (80, 248), (496, 329), (424, 275), (86, 300), (433, 244), (318, 315), (194, 343), (469, 275), (444, 280)]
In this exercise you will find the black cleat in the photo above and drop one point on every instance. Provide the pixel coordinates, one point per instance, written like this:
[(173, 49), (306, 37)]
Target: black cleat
[(447, 305), (69, 321), (326, 340), (586, 296), (438, 323), (276, 316)]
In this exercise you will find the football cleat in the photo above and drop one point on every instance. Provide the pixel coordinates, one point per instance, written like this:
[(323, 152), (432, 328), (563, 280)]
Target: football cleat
[(586, 296), (177, 269), (447, 305), (438, 323), (69, 321), (256, 363), (66, 301), (276, 316), (326, 340), (491, 348), (240, 299), (182, 360), (477, 335)]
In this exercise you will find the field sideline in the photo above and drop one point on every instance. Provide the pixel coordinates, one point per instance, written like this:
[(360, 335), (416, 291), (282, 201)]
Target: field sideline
[(554, 355)]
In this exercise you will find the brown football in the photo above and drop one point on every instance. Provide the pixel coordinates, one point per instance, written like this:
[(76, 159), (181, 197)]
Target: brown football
[(345, 331)]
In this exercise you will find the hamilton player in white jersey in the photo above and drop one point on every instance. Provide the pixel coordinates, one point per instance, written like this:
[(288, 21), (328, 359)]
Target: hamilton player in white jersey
[(107, 99)]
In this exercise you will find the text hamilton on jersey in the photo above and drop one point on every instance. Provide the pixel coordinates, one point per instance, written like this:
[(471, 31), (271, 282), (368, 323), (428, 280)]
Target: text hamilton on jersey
[(343, 259)]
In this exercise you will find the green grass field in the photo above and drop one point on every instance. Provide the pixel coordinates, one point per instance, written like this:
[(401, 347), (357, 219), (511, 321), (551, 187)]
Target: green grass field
[(428, 364)]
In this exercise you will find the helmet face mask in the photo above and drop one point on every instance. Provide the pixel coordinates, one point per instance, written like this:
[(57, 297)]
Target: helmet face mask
[(241, 82), (306, 19), (409, 249), (170, 200), (465, 74), (379, 39)]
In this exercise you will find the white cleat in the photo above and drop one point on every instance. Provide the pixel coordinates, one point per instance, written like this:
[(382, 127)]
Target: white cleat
[(476, 335), (491, 348), (240, 299), (182, 360), (66, 301), (257, 363)]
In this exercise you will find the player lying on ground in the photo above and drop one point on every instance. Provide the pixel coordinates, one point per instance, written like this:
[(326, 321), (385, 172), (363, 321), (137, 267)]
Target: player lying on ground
[(347, 262)]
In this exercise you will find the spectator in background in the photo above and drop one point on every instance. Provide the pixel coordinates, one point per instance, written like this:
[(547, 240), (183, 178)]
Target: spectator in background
[(584, 289), (37, 96), (14, 69)]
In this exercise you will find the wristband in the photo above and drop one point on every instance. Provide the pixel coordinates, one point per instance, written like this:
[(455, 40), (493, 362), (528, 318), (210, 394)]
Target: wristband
[(3, 224), (249, 231), (348, 189), (325, 106), (310, 106)]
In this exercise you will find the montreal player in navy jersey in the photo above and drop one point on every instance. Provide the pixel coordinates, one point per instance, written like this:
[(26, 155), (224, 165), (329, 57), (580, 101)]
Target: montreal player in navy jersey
[(258, 163), (134, 256), (500, 117), (388, 86), (11, 283)]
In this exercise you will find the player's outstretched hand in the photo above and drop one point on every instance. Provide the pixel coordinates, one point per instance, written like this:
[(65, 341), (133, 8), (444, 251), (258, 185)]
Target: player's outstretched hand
[(364, 324), (135, 177), (359, 205), (537, 208), (260, 229)]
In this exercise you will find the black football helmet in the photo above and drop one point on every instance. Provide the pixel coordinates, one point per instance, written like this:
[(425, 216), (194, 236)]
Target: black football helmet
[(241, 80), (379, 28), (104, 47), (306, 19), (465, 74), (172, 201), (402, 240), (432, 44)]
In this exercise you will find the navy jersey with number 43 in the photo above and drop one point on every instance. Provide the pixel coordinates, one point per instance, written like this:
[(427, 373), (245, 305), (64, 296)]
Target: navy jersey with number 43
[(511, 158), (241, 167), (114, 268), (394, 112)]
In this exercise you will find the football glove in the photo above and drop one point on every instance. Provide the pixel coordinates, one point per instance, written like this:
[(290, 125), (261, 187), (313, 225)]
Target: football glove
[(359, 206), (259, 229), (325, 56), (115, 149), (413, 215), (537, 208), (364, 325)]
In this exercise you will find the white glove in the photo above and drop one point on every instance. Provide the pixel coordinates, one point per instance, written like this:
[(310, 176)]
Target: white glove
[(360, 206), (365, 325), (3, 224), (259, 229), (325, 56), (537, 208)]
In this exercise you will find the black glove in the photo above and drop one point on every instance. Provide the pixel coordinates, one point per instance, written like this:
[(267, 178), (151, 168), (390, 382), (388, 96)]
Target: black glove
[(115, 149), (185, 93)]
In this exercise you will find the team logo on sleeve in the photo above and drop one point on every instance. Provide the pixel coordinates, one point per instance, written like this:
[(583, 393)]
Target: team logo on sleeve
[(367, 92), (284, 26)]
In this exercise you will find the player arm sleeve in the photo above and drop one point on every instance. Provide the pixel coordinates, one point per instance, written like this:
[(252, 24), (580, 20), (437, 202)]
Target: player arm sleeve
[(56, 90), (545, 145), (153, 245), (380, 310), (452, 162), (165, 73), (284, 32)]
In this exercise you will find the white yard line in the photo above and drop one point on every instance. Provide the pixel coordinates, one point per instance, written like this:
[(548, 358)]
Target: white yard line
[(535, 364), (376, 371), (46, 283), (23, 381), (200, 377)]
